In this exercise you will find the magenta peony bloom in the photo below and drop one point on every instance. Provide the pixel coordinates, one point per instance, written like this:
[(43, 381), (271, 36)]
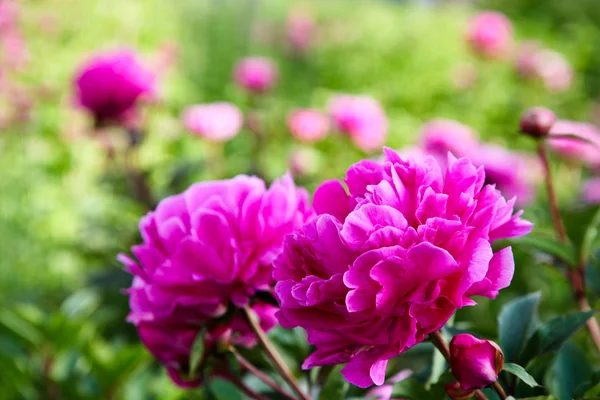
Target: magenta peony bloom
[(514, 174), (110, 84), (388, 261), (216, 121), (590, 191), (207, 251), (361, 118), (308, 125), (475, 363), (490, 34), (256, 74), (583, 147), (300, 31)]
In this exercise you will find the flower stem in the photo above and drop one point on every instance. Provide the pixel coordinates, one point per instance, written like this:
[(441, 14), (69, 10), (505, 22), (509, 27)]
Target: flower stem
[(137, 179), (438, 341), (498, 388), (259, 374), (576, 273), (272, 353)]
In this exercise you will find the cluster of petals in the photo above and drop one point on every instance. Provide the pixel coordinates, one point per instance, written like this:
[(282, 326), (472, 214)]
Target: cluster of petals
[(308, 125), (391, 257), (552, 68), (205, 253), (215, 121), (360, 117), (576, 141), (256, 74), (110, 84), (490, 34), (515, 174)]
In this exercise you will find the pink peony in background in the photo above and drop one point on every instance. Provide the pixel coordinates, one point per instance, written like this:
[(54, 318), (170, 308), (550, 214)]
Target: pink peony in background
[(300, 30), (389, 259), (535, 62), (490, 34), (110, 84), (256, 74), (216, 121), (308, 125), (475, 363), (205, 252), (360, 117), (590, 191), (584, 145)]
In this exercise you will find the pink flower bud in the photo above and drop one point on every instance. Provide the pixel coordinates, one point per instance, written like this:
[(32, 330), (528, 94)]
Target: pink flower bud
[(457, 393), (300, 31), (590, 191), (490, 34), (475, 363), (308, 125), (216, 121), (537, 122), (256, 74)]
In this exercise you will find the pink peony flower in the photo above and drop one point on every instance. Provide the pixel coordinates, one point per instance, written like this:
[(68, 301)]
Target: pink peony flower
[(388, 261), (583, 147), (526, 60), (590, 191), (300, 31), (514, 174), (475, 363), (304, 161), (440, 136), (490, 34), (554, 70), (361, 118), (207, 251), (256, 74), (110, 84), (216, 121), (308, 125)]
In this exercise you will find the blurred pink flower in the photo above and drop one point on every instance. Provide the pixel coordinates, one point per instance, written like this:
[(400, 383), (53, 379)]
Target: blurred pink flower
[(361, 118), (475, 363), (205, 252), (440, 136), (554, 70), (109, 85), (590, 191), (256, 74), (300, 31), (389, 259), (526, 59), (584, 145), (385, 391), (490, 34), (308, 125), (304, 161), (218, 122)]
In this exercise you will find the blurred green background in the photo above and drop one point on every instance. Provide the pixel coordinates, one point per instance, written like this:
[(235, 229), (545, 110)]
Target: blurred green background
[(66, 211)]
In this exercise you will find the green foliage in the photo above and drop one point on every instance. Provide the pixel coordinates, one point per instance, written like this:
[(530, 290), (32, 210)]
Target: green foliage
[(520, 373)]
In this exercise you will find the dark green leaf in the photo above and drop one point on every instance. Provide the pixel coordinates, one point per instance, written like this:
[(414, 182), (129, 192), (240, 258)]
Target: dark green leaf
[(587, 385), (538, 368), (516, 323), (336, 386), (410, 389), (552, 336), (233, 364), (571, 369), (520, 373), (548, 244), (576, 218)]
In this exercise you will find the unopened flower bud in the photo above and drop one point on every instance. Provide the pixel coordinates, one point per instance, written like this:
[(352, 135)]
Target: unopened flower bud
[(457, 393), (537, 122), (475, 363)]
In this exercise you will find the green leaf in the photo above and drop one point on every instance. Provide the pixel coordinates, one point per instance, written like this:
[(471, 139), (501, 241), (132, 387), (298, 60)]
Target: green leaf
[(336, 386), (571, 370), (197, 352), (548, 244), (590, 237), (520, 373), (576, 218), (552, 336), (410, 389), (233, 364), (590, 383), (516, 323)]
